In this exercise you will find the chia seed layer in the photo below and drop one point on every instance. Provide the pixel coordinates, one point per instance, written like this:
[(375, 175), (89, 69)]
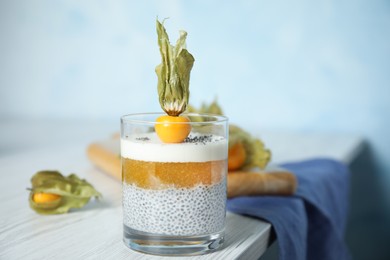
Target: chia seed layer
[(194, 211)]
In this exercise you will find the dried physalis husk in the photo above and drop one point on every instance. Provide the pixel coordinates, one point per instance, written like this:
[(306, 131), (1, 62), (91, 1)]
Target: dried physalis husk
[(256, 155), (53, 193), (173, 73), (212, 108)]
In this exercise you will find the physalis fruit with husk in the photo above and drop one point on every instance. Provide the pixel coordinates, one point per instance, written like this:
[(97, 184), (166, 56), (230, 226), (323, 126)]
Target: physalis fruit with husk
[(173, 86), (52, 193), (245, 151)]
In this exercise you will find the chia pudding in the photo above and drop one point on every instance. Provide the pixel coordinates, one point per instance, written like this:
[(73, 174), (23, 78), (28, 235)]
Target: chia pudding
[(174, 189)]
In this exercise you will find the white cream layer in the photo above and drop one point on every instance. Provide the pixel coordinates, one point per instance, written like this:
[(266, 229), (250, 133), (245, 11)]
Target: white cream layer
[(153, 150)]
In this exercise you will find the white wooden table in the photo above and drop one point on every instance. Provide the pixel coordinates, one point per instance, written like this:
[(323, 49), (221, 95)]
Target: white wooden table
[(95, 232)]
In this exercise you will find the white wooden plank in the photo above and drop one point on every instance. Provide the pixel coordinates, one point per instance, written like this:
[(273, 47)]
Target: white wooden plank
[(94, 232)]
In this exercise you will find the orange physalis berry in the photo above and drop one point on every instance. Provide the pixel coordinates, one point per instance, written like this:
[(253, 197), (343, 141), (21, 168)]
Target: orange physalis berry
[(236, 156), (45, 197), (172, 129)]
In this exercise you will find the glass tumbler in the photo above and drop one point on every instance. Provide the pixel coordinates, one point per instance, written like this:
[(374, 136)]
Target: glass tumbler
[(174, 194)]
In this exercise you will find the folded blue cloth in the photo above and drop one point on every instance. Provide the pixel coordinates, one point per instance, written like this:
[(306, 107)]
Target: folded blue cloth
[(311, 224)]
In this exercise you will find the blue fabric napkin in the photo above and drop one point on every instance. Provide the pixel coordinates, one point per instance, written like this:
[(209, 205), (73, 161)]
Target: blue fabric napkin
[(311, 224)]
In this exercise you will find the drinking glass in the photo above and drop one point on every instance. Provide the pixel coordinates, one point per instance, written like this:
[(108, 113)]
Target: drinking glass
[(174, 194)]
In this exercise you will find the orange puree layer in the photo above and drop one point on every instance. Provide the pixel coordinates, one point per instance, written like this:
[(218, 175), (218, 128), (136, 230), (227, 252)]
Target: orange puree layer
[(160, 175)]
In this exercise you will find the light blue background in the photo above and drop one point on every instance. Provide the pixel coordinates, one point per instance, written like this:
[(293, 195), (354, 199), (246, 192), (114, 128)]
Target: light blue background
[(316, 66), (295, 65)]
